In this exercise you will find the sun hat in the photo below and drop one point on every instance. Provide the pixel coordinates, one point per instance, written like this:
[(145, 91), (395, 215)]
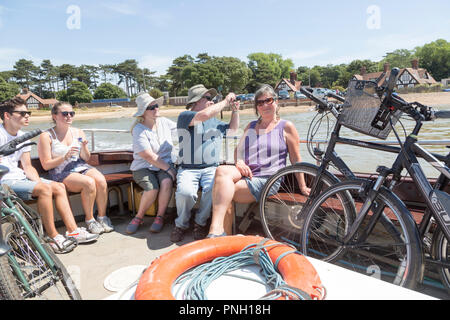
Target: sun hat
[(143, 100), (197, 92)]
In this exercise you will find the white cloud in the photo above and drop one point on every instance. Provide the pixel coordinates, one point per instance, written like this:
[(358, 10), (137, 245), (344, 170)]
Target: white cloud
[(156, 17), (302, 55), (9, 56), (159, 64), (121, 8)]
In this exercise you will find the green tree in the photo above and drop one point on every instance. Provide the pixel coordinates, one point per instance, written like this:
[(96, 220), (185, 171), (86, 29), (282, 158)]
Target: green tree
[(78, 92), (8, 90), (24, 70), (435, 57), (66, 73), (175, 73), (155, 93), (400, 58), (109, 91)]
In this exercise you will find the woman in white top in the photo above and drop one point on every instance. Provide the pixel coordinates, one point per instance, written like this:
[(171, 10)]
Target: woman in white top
[(63, 152), (152, 164)]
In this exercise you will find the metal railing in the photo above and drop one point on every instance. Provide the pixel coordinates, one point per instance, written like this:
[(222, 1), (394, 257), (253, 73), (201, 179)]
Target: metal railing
[(93, 131), (316, 142)]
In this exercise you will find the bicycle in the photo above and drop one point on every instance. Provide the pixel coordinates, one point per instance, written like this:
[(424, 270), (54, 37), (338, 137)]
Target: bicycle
[(281, 214), (279, 211), (28, 267), (361, 224)]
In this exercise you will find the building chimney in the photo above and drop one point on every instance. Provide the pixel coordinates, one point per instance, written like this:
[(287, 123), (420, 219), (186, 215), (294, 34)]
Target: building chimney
[(363, 70), (293, 77), (415, 64), (386, 67)]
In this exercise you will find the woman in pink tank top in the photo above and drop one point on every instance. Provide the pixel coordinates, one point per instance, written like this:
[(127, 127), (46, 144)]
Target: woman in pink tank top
[(262, 151)]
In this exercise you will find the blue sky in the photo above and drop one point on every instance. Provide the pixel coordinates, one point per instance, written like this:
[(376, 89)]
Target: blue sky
[(155, 32)]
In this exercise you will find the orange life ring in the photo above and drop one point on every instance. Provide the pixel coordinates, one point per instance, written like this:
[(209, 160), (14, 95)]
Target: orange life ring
[(157, 280)]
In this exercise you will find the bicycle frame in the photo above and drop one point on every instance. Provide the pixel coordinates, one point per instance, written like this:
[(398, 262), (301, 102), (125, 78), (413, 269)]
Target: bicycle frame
[(407, 158), (9, 210)]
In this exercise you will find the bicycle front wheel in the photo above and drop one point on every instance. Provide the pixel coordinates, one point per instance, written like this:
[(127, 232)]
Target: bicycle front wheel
[(8, 286), (386, 246), (281, 201), (35, 278)]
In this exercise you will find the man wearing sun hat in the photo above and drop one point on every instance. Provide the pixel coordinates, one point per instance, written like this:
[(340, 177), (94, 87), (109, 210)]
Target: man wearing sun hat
[(200, 144)]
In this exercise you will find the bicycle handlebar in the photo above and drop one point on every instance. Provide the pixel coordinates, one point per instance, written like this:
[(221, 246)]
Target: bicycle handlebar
[(310, 95), (442, 114), (11, 146)]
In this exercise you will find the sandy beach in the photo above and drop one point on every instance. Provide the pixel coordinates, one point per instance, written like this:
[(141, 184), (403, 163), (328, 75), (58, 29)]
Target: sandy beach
[(431, 99)]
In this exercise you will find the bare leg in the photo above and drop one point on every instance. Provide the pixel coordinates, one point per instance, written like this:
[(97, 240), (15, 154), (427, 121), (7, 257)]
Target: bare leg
[(85, 185), (101, 191), (147, 199), (43, 192), (63, 206), (227, 178), (164, 196)]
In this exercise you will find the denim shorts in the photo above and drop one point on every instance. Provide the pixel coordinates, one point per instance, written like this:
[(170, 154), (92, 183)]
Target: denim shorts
[(256, 185), (149, 179), (24, 188)]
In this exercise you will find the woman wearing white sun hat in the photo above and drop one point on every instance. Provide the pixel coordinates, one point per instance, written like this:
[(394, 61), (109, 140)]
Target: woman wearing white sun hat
[(152, 164)]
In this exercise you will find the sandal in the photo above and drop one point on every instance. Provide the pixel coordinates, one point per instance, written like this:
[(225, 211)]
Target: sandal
[(61, 244)]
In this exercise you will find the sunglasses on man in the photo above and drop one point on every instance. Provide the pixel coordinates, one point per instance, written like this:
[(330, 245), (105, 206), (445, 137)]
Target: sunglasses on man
[(209, 98), (22, 113), (68, 113), (152, 107)]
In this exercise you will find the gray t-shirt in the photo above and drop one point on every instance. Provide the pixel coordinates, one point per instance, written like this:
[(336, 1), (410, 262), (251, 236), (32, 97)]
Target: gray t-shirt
[(159, 141), (200, 145)]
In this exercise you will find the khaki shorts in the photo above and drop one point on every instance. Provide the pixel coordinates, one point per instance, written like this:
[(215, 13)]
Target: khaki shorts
[(149, 179)]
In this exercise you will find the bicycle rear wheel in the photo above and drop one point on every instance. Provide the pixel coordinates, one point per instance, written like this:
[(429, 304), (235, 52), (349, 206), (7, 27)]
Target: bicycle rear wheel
[(441, 252), (281, 201), (35, 279), (391, 251)]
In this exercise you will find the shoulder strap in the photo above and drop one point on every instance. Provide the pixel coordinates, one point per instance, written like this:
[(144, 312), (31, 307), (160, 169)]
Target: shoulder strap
[(52, 134)]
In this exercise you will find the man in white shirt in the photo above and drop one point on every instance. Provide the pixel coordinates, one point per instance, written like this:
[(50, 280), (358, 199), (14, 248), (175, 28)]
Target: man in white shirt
[(27, 184)]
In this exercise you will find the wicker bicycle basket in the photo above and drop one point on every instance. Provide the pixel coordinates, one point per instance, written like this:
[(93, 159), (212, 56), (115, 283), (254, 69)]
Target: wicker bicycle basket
[(360, 108)]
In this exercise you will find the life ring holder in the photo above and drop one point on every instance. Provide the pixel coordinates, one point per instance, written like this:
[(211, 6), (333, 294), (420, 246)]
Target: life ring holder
[(156, 282)]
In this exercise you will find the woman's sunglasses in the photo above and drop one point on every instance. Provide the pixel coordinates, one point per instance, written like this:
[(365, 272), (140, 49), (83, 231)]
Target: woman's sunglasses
[(260, 103), (22, 113), (152, 107), (67, 113)]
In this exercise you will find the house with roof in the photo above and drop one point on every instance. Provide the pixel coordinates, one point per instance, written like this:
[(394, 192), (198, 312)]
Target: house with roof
[(291, 84), (408, 77), (34, 101)]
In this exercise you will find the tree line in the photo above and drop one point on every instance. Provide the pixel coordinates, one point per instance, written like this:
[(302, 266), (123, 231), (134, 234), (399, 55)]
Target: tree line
[(227, 74)]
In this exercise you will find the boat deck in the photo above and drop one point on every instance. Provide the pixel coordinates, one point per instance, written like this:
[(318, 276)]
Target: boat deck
[(91, 264)]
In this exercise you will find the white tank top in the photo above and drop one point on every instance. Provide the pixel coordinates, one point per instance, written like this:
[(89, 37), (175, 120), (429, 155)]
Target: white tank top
[(58, 148)]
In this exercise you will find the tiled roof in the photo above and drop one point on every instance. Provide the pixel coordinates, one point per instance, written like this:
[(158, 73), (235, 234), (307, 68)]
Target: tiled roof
[(297, 86), (420, 75), (29, 94)]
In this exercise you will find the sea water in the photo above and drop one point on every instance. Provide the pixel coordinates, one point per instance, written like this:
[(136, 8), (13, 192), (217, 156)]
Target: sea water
[(357, 158)]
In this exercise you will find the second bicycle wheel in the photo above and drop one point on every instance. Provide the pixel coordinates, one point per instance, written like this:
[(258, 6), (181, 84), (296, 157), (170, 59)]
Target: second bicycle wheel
[(282, 202), (35, 279), (441, 252), (391, 251)]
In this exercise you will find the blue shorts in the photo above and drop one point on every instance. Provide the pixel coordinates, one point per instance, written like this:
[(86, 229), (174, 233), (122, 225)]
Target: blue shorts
[(24, 188), (256, 184)]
